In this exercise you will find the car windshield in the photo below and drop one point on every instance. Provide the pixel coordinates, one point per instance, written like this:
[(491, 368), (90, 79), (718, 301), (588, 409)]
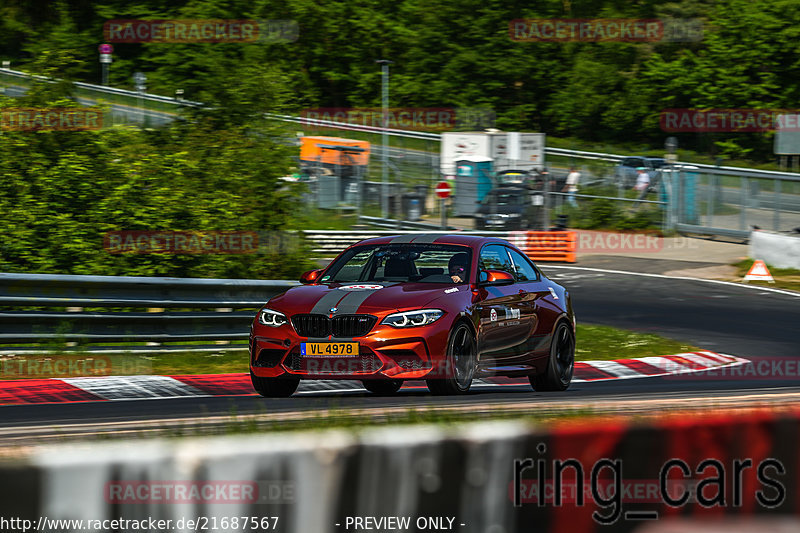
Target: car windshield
[(504, 198), (424, 263)]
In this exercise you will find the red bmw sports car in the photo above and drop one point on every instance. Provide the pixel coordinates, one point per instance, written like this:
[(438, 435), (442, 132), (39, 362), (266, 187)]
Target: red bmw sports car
[(443, 308)]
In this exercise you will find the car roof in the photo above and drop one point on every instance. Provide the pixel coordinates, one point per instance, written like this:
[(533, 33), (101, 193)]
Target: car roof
[(473, 241)]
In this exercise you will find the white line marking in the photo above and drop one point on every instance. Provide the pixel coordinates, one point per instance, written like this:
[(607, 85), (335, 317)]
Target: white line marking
[(617, 370), (134, 387), (648, 275), (702, 360), (669, 366)]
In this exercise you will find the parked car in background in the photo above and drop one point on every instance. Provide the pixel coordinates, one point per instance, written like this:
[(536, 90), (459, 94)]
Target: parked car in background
[(509, 207), (625, 172)]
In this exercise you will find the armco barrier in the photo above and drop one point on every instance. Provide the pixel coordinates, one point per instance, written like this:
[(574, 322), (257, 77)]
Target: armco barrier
[(546, 245), (473, 478), (189, 309), (538, 245)]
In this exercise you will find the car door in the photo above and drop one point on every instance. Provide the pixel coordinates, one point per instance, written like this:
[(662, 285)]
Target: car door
[(502, 334), (537, 312)]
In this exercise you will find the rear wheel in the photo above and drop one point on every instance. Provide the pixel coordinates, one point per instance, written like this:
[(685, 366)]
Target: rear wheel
[(560, 364), (460, 365), (274, 387), (382, 387)]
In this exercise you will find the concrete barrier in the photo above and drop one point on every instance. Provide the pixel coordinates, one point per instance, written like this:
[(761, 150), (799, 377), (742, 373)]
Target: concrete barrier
[(484, 477), (776, 249)]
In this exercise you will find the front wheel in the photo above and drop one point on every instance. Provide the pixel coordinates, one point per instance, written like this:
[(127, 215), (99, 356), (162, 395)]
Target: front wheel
[(382, 387), (462, 353), (274, 387), (560, 364)]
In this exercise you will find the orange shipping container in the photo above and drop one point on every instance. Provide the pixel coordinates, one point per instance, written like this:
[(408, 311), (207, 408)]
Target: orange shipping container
[(314, 150)]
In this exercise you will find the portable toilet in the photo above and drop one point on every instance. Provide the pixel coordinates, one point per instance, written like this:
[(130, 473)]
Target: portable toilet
[(473, 183)]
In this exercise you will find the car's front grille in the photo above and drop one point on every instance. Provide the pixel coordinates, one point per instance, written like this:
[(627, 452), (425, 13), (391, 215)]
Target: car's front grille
[(352, 325), (315, 325), (311, 325)]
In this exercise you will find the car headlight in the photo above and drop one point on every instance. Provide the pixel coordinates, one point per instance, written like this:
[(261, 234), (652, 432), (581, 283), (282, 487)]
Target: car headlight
[(268, 317), (515, 215), (411, 319)]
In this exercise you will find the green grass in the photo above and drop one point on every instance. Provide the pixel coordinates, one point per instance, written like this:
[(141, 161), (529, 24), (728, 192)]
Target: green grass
[(606, 343), (785, 278), (593, 343)]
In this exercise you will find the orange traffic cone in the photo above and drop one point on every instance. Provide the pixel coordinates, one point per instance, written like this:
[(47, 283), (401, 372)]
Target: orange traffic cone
[(759, 272)]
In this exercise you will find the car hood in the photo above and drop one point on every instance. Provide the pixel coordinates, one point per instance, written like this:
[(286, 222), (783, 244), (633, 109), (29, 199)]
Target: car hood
[(360, 297)]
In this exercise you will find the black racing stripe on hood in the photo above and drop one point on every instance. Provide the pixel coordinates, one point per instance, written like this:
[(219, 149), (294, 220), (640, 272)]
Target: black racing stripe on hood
[(353, 299), (326, 302)]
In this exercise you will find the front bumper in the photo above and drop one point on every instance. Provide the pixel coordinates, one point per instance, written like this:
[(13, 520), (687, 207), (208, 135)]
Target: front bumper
[(384, 353)]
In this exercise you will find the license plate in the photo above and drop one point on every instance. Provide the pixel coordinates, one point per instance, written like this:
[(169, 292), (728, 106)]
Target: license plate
[(328, 349), (495, 222)]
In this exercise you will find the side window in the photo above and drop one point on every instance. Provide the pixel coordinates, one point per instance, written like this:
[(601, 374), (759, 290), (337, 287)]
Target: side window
[(628, 162), (525, 271), (495, 257)]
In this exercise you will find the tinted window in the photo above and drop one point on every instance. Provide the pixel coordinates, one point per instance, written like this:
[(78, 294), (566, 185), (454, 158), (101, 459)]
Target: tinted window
[(524, 269), (426, 263), (495, 257)]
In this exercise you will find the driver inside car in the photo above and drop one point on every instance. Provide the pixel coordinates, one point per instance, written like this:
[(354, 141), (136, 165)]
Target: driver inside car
[(457, 266)]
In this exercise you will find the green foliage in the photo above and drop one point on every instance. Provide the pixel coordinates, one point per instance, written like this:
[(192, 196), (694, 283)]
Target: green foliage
[(61, 191), (214, 172), (606, 214), (451, 54)]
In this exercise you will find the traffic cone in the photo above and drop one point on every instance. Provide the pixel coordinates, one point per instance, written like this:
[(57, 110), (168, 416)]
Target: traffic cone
[(759, 272)]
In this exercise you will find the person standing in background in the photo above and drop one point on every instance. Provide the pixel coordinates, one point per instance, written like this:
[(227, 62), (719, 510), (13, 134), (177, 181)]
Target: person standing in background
[(642, 182), (571, 186)]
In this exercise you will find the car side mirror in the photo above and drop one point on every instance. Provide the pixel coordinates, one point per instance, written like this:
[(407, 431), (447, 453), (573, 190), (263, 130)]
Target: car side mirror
[(310, 276), (494, 278)]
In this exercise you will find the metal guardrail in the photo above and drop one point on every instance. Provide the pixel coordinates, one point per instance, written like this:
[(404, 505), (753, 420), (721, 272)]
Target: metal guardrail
[(328, 243), (199, 309), (391, 223)]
